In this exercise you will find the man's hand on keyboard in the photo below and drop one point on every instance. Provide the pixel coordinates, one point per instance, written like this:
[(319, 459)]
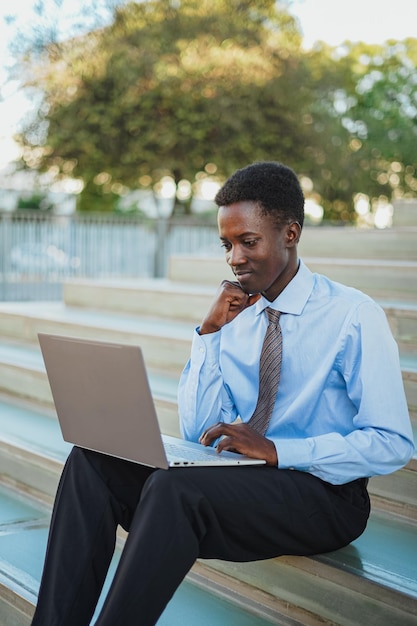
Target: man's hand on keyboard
[(243, 439)]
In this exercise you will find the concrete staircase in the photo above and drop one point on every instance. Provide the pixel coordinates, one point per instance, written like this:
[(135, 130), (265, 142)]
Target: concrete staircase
[(373, 581)]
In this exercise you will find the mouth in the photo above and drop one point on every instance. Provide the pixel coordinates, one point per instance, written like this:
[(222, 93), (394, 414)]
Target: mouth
[(242, 274)]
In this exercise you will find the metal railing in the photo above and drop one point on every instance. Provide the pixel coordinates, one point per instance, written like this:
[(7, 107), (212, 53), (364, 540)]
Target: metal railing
[(39, 252)]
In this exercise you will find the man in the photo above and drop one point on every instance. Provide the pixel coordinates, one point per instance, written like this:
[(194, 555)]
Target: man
[(340, 416)]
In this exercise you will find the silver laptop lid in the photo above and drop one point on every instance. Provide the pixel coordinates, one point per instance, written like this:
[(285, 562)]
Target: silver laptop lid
[(102, 397)]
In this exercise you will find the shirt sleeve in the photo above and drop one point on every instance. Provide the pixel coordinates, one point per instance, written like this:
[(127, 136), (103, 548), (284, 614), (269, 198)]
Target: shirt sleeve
[(380, 439), (203, 399)]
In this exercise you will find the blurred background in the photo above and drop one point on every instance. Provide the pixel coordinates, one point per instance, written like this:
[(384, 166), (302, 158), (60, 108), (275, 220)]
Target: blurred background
[(113, 111)]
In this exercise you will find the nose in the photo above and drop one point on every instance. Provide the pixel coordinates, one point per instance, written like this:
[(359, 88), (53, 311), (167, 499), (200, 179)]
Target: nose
[(235, 256)]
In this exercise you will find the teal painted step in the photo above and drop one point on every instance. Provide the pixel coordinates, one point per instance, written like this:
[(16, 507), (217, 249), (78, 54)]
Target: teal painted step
[(22, 424), (23, 535), (33, 452), (23, 373), (385, 555), (165, 346), (57, 312), (382, 555), (166, 343), (372, 582), (34, 430), (170, 300), (29, 357), (193, 605)]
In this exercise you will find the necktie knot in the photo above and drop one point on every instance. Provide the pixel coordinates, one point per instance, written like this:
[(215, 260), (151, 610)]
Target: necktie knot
[(273, 315)]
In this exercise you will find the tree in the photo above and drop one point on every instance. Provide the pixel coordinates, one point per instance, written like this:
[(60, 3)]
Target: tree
[(327, 164), (364, 114), (169, 87), (191, 87), (382, 117)]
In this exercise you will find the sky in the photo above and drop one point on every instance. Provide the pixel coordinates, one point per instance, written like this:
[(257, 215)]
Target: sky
[(371, 21), (332, 21)]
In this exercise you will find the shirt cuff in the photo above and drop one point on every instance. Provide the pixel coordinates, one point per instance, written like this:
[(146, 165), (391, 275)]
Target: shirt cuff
[(205, 348), (294, 454)]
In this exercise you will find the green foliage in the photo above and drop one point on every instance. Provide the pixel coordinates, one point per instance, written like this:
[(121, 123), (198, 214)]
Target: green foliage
[(382, 119), (35, 201), (171, 86)]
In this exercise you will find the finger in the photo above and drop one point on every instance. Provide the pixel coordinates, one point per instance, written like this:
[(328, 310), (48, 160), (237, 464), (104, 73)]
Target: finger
[(232, 283), (211, 434), (215, 432), (204, 439), (226, 443)]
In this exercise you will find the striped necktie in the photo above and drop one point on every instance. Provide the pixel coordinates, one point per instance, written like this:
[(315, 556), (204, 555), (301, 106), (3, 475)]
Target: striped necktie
[(269, 372)]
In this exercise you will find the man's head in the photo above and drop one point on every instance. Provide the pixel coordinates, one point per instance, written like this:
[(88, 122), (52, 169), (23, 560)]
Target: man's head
[(261, 211), (273, 186)]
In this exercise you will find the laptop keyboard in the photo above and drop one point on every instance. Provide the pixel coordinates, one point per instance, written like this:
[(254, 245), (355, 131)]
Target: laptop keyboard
[(176, 451)]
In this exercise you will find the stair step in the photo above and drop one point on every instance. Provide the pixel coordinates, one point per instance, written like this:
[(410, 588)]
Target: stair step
[(23, 536), (379, 278), (402, 318), (23, 532), (35, 426), (166, 299), (409, 373), (32, 452), (22, 321), (374, 580), (157, 297), (165, 346), (22, 373), (24, 443), (347, 242)]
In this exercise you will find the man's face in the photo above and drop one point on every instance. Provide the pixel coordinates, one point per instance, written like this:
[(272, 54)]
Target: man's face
[(262, 256)]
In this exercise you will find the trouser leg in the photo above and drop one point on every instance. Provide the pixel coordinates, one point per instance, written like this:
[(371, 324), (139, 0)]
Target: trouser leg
[(173, 517), (238, 514), (162, 545), (81, 542)]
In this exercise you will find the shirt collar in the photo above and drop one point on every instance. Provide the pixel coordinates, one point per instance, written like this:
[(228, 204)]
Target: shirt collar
[(295, 295)]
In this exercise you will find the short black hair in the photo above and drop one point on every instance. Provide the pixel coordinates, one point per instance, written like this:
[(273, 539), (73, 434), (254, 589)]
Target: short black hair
[(272, 185)]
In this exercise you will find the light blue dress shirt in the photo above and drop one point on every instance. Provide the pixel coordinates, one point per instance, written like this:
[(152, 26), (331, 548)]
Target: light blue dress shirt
[(341, 411)]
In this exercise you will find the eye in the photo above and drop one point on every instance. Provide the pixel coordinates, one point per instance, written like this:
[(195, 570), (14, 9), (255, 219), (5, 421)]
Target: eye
[(249, 243), (226, 245)]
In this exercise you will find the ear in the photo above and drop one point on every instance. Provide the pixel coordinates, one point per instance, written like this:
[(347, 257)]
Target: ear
[(293, 234)]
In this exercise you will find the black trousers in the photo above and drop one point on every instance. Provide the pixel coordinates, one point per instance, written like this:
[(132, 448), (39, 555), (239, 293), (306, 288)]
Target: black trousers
[(173, 517)]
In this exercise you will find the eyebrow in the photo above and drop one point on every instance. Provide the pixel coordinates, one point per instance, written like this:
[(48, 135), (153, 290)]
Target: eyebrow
[(241, 235)]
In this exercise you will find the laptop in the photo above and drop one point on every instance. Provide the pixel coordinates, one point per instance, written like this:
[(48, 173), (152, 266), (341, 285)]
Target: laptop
[(104, 403)]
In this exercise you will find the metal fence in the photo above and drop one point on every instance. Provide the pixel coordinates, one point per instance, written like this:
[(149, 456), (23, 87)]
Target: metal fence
[(39, 252)]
